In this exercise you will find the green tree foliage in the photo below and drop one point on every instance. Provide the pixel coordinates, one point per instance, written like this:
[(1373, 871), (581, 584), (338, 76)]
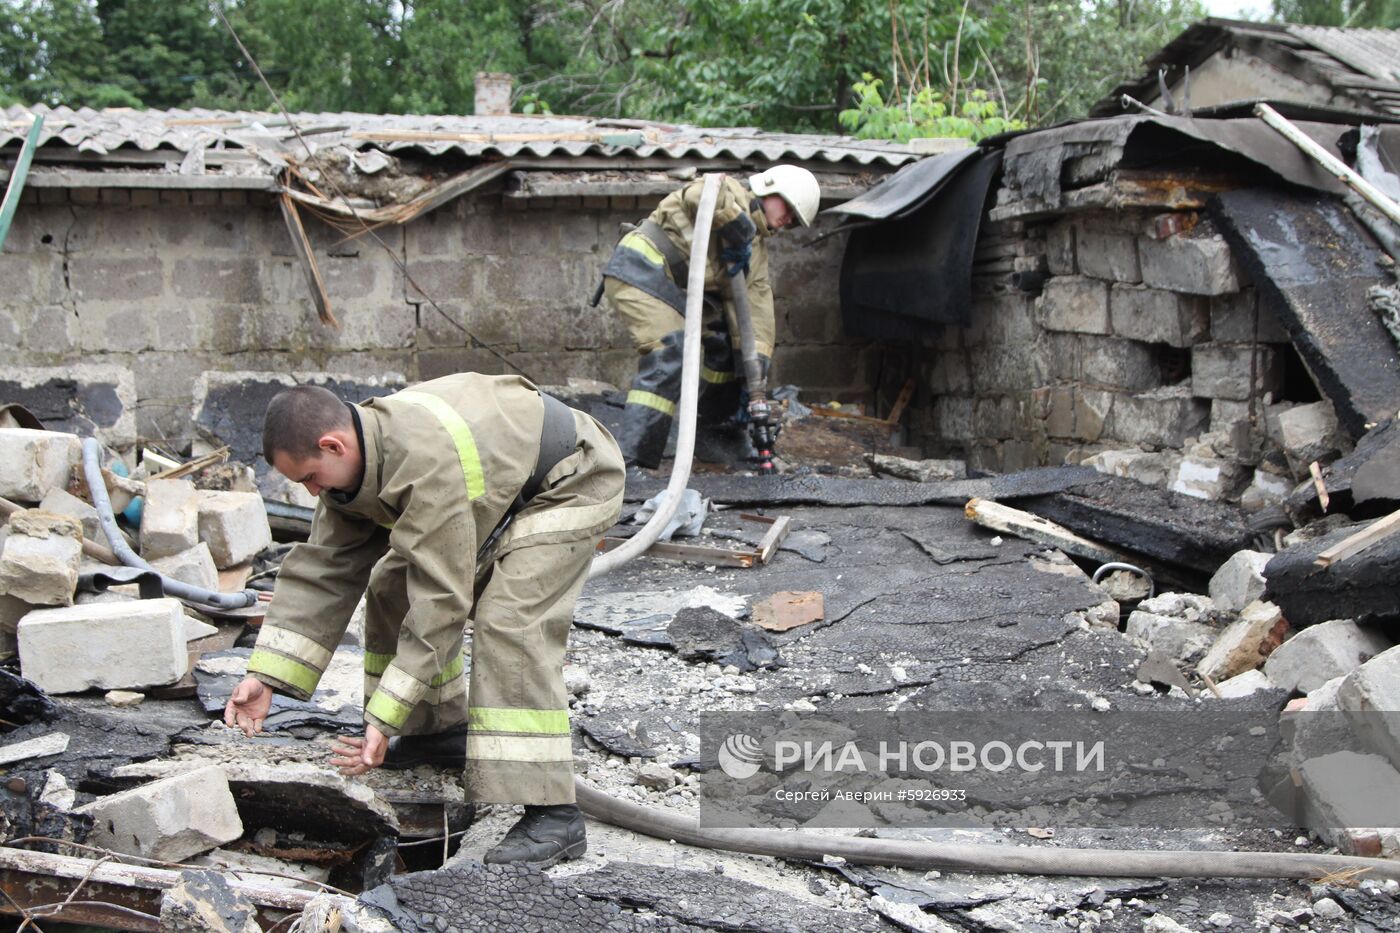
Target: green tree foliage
[(959, 66)]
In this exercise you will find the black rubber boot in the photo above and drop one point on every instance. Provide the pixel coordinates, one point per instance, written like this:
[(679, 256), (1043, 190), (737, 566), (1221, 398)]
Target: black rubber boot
[(647, 417), (543, 836), (440, 749)]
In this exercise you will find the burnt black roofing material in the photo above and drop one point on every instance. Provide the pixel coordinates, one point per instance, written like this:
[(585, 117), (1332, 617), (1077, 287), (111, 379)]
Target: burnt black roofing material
[(1313, 264)]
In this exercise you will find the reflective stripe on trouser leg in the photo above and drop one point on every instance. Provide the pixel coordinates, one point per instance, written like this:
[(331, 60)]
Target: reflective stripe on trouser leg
[(386, 604), (518, 744), (651, 403)]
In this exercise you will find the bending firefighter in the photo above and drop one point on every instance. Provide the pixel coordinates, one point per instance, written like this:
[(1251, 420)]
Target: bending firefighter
[(645, 281), (469, 501)]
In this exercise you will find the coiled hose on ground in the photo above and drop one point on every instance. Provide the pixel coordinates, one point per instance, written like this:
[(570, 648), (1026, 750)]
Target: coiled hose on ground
[(900, 853), (92, 472)]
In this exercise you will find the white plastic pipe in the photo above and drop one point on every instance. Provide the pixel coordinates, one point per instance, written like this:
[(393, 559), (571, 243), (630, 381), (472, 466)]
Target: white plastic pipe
[(690, 392)]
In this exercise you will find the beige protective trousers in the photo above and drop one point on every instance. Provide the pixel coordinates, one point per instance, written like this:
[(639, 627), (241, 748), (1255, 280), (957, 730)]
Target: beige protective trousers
[(519, 632)]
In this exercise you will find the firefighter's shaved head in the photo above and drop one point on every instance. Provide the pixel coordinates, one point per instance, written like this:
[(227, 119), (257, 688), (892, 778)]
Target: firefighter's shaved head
[(298, 417)]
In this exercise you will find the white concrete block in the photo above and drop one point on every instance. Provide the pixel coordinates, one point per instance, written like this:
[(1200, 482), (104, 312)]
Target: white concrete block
[(194, 566), (1306, 432), (1371, 696), (33, 462), (234, 525), (62, 502), (1245, 643), (1207, 478), (1179, 639), (170, 819), (1243, 685), (1239, 581), (1346, 790), (113, 646), (41, 558), (1321, 652), (169, 519)]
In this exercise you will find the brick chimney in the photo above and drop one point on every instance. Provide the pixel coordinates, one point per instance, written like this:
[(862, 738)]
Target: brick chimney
[(493, 93)]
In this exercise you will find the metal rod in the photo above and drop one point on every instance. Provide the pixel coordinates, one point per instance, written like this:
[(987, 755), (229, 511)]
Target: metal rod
[(1330, 162)]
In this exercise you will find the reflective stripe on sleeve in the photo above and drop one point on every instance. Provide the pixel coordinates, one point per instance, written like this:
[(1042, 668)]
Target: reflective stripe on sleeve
[(537, 721), (404, 686), (288, 670), (453, 669), (388, 710), (284, 641), (652, 400), (461, 437), (377, 664), (519, 747)]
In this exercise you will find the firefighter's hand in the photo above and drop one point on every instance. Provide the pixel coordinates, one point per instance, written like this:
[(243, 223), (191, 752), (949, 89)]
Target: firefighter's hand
[(354, 755), (249, 705)]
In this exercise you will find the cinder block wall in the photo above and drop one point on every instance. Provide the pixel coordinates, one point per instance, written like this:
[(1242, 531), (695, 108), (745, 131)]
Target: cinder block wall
[(170, 284), (1138, 340)]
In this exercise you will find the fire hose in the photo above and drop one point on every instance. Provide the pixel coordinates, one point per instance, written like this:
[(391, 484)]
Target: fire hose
[(901, 853)]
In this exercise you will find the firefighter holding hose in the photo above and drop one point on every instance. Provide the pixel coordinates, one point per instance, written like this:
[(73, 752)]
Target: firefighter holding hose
[(645, 280)]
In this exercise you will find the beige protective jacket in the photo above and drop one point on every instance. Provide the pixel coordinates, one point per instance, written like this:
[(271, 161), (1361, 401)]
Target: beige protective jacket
[(676, 215), (444, 461)]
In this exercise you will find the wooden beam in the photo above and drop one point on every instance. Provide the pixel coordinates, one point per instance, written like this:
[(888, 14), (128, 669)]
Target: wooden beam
[(112, 894), (302, 245), (1353, 544), (1011, 521)]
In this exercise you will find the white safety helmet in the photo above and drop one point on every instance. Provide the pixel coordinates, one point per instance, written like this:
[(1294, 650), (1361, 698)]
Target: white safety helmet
[(797, 186)]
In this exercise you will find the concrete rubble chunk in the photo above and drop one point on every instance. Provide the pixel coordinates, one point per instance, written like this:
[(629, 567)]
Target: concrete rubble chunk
[(1239, 581), (124, 699), (657, 776), (40, 561), (1245, 643), (1154, 469), (205, 902), (169, 519), (920, 471), (1305, 432), (1178, 639), (234, 526), (194, 566), (170, 819), (54, 743), (62, 502), (34, 462), (1208, 478), (1321, 652), (108, 645), (1242, 685), (1371, 695), (1345, 791), (265, 870)]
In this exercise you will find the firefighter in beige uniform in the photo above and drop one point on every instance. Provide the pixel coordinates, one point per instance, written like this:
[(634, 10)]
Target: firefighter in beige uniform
[(413, 488), (645, 280)]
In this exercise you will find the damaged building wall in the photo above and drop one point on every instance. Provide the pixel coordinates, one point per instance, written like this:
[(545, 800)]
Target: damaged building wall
[(170, 283), (1145, 336)]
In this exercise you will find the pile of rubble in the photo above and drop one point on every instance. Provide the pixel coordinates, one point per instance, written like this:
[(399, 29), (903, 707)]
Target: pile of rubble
[(863, 604)]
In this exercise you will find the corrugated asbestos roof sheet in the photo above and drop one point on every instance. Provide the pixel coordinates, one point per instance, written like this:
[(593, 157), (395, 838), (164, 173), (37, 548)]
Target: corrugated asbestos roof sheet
[(1372, 52), (102, 131), (1362, 64)]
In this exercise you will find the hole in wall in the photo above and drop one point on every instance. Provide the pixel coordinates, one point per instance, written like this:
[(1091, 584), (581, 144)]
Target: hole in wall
[(1298, 385), (1173, 363), (46, 239)]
